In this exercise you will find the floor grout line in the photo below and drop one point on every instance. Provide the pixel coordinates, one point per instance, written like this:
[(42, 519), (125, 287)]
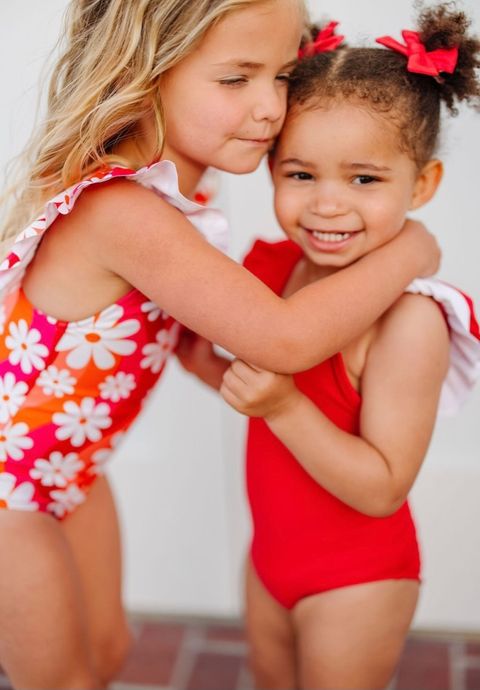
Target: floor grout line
[(456, 653), (133, 686), (226, 647), (245, 680), (186, 656)]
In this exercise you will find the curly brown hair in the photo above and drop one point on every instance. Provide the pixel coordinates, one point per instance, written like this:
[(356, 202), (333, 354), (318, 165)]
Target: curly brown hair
[(378, 78)]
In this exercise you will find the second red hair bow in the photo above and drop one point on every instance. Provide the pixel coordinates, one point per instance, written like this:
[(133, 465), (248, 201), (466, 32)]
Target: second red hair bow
[(420, 60), (324, 41)]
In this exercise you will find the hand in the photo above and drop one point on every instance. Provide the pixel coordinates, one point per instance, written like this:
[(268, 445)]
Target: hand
[(256, 392), (193, 352), (426, 248)]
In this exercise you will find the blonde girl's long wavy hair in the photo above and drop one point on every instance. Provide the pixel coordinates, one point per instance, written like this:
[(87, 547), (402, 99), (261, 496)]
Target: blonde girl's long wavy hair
[(105, 80)]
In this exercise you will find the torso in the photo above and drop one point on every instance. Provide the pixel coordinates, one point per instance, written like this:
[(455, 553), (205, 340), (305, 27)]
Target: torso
[(305, 540)]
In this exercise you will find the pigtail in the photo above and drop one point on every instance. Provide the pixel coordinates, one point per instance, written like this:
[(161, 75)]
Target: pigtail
[(444, 26)]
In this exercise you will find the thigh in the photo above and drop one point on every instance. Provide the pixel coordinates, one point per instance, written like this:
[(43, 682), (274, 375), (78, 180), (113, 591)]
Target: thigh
[(352, 637), (270, 636), (93, 534), (44, 640)]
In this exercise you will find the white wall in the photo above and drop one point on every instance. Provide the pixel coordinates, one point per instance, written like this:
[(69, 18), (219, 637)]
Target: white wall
[(179, 476)]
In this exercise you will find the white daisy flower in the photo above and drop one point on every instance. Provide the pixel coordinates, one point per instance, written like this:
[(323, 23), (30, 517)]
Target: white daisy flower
[(153, 311), (58, 470), (102, 455), (14, 440), (57, 382), (16, 497), (98, 337), (65, 501), (116, 387), (12, 396), (25, 347), (156, 353), (82, 422)]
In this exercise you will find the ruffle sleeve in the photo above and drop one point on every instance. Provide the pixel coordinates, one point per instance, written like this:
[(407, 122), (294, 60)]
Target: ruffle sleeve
[(464, 369), (160, 177)]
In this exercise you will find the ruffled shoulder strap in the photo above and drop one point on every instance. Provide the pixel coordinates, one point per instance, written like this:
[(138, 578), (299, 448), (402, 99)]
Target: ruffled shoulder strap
[(160, 177), (464, 368)]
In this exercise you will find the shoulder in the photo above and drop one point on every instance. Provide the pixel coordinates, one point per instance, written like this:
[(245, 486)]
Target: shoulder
[(414, 329), (120, 201), (120, 214)]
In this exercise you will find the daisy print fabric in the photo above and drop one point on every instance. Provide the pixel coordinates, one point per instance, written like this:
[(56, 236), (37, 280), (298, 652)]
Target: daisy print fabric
[(70, 390)]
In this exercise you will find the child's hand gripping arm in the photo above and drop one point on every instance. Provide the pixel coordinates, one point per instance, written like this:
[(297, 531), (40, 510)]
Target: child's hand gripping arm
[(372, 472)]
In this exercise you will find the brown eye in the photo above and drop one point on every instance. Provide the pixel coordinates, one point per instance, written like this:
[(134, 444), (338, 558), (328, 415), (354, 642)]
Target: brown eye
[(364, 179)]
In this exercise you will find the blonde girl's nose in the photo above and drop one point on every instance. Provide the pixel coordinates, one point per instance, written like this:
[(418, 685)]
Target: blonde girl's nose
[(271, 104)]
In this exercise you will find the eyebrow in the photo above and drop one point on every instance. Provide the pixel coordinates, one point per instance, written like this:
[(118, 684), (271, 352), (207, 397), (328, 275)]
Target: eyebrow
[(297, 161), (246, 64), (366, 166), (345, 166)]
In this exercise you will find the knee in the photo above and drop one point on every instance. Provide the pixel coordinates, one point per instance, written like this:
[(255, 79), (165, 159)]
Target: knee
[(272, 675), (111, 654)]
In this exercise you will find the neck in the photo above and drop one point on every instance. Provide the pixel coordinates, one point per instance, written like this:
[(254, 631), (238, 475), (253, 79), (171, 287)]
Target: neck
[(313, 272), (138, 151), (189, 172)]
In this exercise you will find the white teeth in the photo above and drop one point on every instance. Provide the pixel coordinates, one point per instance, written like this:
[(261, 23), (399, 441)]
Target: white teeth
[(331, 236)]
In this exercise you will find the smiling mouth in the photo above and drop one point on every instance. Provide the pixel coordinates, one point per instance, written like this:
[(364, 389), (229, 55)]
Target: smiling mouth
[(328, 236)]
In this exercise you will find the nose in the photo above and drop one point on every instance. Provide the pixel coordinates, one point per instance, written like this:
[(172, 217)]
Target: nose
[(271, 103), (327, 201)]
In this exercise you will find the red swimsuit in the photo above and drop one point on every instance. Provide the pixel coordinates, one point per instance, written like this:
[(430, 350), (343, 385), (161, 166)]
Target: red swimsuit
[(305, 540)]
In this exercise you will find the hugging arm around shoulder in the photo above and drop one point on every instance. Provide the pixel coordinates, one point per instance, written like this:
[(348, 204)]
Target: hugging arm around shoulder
[(400, 389), (158, 251)]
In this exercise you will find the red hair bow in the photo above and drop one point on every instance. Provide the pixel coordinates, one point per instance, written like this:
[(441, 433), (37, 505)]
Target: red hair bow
[(324, 41), (420, 60)]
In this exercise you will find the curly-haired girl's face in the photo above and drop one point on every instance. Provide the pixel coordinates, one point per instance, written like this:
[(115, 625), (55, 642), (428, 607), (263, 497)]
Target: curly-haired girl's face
[(343, 186)]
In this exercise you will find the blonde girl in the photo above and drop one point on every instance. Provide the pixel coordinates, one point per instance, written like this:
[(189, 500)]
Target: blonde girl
[(101, 271)]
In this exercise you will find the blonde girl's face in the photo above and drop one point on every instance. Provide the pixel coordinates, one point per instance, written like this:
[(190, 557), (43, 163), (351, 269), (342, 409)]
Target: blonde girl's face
[(225, 103), (342, 185)]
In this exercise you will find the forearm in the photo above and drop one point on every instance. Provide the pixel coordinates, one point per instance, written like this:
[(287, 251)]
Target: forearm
[(352, 299), (344, 464)]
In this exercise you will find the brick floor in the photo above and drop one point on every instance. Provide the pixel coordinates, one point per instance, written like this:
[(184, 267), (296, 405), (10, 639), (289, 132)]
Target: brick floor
[(200, 655), (212, 656)]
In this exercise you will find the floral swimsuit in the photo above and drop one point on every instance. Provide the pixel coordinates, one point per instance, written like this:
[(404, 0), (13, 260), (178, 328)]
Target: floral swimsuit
[(69, 390)]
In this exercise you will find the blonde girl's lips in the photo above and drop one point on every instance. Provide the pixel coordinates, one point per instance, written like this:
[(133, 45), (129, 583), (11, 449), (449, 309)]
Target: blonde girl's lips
[(257, 142)]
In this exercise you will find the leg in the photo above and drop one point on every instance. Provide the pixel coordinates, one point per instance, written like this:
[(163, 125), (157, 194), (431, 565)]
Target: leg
[(353, 637), (270, 637), (44, 640), (93, 535)]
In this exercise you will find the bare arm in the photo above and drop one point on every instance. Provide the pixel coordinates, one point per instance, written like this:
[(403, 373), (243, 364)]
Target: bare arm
[(372, 472), (154, 248)]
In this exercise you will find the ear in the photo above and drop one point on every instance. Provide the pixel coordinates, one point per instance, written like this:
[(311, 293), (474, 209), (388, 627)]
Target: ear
[(427, 183)]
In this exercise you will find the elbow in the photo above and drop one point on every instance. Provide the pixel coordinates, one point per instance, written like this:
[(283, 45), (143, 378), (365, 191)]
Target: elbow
[(290, 354), (383, 505)]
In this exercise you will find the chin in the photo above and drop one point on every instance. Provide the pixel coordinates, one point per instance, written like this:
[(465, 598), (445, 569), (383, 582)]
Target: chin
[(239, 167)]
